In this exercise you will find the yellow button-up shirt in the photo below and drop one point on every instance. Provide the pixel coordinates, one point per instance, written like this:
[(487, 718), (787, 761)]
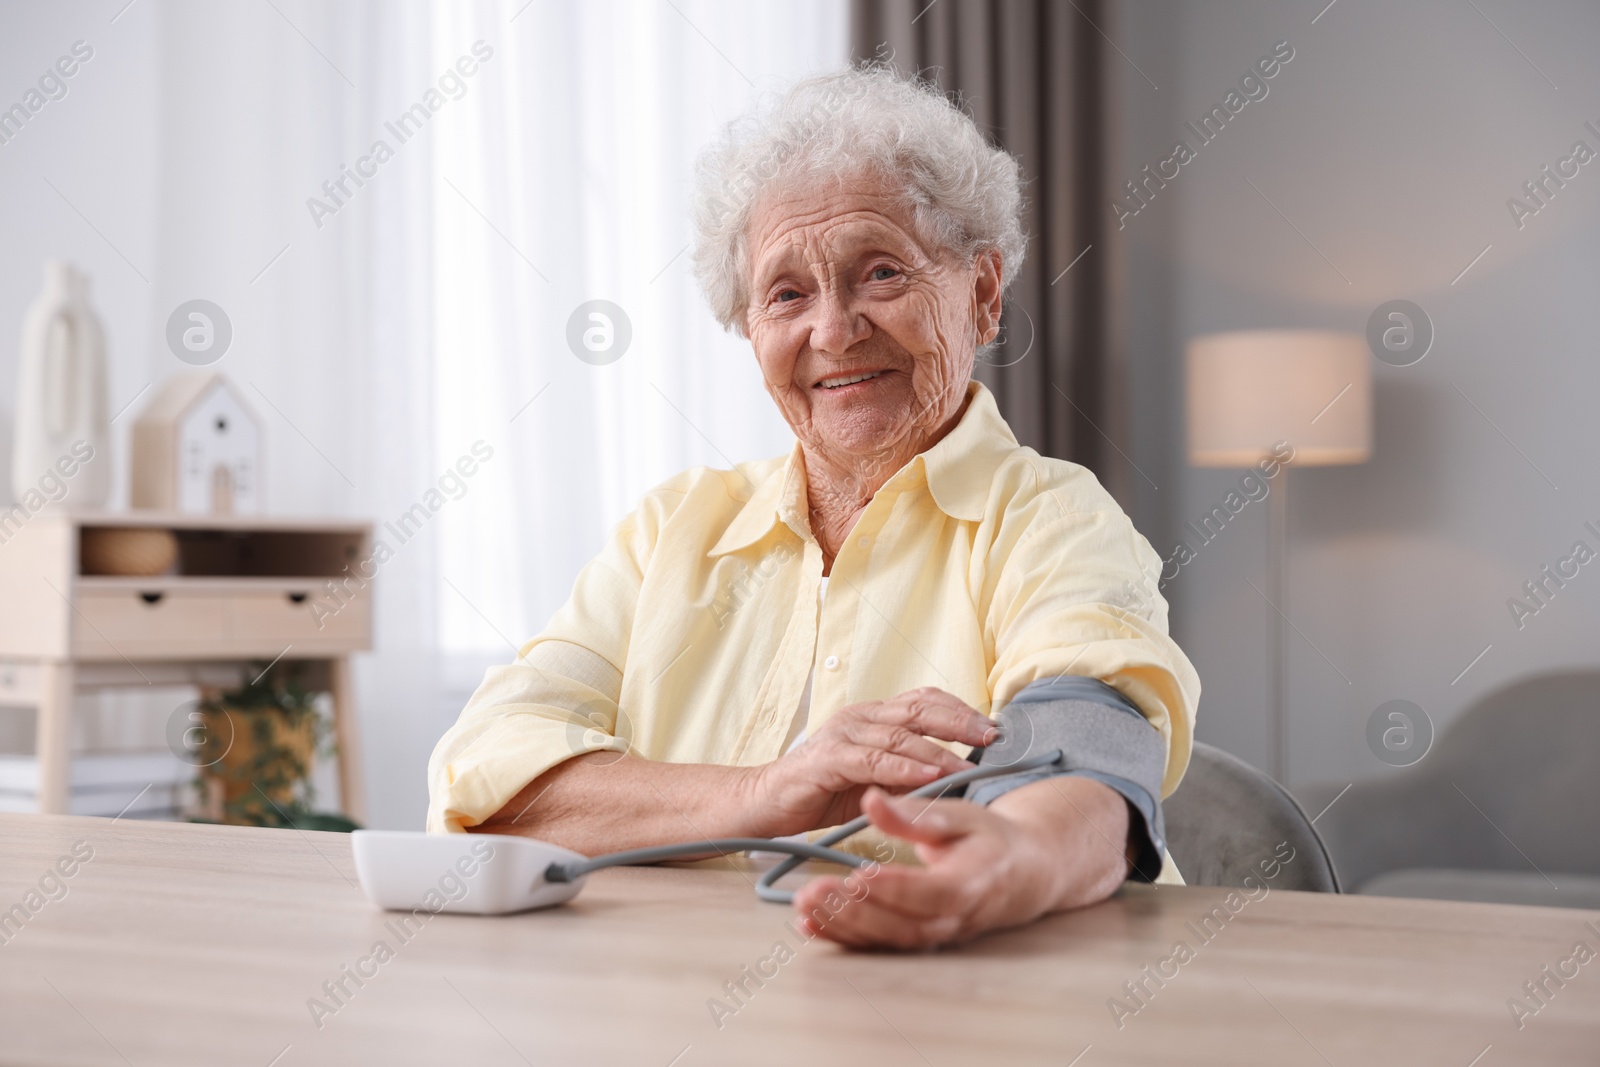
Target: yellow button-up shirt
[(979, 567)]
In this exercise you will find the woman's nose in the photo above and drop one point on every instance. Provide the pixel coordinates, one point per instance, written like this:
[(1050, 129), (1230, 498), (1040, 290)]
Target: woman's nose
[(836, 326)]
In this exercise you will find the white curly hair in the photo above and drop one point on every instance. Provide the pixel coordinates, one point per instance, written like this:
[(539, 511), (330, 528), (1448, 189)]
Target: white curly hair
[(962, 195)]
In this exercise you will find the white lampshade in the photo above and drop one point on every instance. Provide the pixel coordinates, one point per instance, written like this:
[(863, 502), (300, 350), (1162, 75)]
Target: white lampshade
[(1250, 389)]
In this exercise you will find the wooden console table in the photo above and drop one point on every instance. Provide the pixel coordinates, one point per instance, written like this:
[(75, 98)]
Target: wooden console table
[(245, 589)]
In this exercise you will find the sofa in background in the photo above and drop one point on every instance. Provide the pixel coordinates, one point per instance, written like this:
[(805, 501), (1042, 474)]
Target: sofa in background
[(1505, 808)]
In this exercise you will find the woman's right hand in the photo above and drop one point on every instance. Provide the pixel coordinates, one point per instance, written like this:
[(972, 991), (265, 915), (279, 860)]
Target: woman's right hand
[(885, 743)]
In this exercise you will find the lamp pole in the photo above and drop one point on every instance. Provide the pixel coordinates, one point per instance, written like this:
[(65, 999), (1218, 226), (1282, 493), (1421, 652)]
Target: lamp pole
[(1277, 594), (1249, 387)]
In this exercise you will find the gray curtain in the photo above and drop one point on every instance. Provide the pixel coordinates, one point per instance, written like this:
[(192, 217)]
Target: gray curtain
[(1031, 72)]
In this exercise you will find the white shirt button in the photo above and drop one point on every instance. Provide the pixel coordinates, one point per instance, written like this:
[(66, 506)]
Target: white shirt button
[(832, 663), (864, 542)]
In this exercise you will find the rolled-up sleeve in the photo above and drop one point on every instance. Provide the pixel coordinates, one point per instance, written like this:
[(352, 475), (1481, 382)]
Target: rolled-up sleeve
[(1075, 593), (559, 697)]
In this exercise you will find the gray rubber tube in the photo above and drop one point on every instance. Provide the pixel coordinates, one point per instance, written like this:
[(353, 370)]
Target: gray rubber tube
[(766, 890), (798, 851)]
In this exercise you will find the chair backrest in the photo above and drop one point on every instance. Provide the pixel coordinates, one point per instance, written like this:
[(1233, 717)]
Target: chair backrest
[(1226, 819)]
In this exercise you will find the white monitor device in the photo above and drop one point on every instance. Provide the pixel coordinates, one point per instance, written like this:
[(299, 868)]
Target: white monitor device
[(474, 874)]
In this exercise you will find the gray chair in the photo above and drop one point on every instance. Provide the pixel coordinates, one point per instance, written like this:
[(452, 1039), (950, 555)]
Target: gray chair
[(1502, 808), (1226, 817)]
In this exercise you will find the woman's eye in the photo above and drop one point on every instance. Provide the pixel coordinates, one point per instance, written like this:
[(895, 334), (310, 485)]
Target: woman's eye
[(785, 296), (883, 274)]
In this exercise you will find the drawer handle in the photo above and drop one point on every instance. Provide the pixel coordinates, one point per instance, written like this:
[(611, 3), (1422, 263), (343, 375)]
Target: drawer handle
[(151, 598), (297, 598)]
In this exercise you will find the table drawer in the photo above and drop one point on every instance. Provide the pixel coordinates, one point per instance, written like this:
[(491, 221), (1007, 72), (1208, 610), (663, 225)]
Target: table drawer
[(112, 623), (164, 624), (301, 619)]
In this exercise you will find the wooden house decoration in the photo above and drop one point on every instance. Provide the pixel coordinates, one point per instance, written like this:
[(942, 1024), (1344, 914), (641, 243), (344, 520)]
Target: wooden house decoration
[(197, 448)]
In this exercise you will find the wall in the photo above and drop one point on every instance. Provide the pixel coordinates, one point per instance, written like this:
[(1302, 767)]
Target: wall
[(1388, 148)]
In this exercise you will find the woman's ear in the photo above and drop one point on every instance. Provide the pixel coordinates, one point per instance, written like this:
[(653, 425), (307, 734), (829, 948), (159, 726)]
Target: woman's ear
[(986, 295)]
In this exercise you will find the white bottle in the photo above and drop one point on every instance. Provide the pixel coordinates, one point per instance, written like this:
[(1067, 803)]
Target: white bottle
[(61, 453)]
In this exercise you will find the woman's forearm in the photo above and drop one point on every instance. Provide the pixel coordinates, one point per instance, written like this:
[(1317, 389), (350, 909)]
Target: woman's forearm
[(601, 802), (1081, 825)]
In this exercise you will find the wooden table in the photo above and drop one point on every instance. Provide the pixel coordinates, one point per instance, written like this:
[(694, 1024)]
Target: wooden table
[(180, 944)]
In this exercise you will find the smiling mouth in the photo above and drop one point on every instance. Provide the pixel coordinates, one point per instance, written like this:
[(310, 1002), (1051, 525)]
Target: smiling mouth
[(848, 379)]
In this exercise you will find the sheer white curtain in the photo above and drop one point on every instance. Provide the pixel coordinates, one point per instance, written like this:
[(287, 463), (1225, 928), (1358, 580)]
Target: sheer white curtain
[(378, 343), (559, 175)]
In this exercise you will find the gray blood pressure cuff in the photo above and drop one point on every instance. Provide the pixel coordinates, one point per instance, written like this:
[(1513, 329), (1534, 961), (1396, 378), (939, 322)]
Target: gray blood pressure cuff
[(1102, 735)]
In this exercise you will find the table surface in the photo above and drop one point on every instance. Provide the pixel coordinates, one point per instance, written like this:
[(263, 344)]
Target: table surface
[(180, 944)]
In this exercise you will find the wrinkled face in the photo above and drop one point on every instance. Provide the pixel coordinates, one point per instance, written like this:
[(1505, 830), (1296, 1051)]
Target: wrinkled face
[(865, 336)]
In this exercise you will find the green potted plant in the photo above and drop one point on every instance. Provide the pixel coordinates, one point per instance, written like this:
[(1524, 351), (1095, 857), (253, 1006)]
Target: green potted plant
[(260, 741)]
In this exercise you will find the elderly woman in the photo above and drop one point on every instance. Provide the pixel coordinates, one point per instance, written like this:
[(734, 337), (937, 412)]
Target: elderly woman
[(777, 648)]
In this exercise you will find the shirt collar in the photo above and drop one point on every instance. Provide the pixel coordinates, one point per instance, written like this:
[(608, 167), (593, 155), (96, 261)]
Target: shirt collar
[(958, 472), (779, 498)]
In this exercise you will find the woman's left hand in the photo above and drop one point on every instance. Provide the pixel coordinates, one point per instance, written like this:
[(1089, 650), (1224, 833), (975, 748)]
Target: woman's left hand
[(1054, 844)]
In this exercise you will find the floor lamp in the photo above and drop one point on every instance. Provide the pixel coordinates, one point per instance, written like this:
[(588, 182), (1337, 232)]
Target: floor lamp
[(1250, 390)]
